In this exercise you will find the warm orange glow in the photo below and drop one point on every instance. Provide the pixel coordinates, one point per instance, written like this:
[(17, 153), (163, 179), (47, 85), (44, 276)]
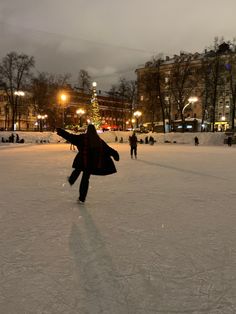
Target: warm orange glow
[(63, 97), (137, 114), (80, 111)]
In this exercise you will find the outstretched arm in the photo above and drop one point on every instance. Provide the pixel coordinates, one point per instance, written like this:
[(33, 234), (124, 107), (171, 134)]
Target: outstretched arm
[(72, 138)]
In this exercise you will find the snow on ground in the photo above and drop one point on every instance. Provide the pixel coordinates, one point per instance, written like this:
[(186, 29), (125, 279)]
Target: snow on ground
[(216, 138), (156, 237)]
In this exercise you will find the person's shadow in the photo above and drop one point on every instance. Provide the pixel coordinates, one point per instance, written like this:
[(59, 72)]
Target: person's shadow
[(98, 284)]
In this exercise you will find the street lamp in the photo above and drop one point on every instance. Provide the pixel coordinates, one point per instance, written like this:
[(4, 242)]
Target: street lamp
[(63, 98), (137, 115), (41, 119), (132, 123), (19, 93), (191, 101), (80, 112)]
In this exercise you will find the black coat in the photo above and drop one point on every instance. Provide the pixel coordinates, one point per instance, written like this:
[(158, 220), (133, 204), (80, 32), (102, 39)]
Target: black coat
[(96, 161), (133, 140)]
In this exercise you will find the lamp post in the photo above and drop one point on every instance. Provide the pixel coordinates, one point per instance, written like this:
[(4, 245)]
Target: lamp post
[(137, 115), (63, 98), (41, 119), (132, 123), (19, 93), (191, 101), (80, 112)]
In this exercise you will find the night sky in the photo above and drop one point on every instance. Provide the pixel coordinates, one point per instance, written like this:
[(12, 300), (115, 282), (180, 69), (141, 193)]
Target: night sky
[(110, 38)]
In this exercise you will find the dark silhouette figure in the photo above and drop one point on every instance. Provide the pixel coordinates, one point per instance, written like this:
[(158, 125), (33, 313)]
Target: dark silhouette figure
[(11, 138), (229, 140), (151, 140), (196, 141), (17, 138), (93, 158), (133, 145)]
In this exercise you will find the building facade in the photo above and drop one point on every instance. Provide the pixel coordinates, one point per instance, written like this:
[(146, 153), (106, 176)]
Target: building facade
[(26, 115), (115, 112), (188, 90)]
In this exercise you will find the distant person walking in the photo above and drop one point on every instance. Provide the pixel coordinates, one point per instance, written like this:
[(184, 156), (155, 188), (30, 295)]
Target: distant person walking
[(133, 145), (229, 140), (196, 141), (93, 158)]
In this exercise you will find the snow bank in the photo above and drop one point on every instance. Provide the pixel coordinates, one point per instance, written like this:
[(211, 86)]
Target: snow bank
[(205, 138), (33, 137)]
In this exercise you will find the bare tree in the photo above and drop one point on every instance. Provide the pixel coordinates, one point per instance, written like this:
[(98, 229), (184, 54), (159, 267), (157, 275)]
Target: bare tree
[(212, 87), (14, 75), (183, 81), (132, 95), (84, 80), (45, 88), (113, 92), (122, 92), (41, 89), (213, 69), (231, 70), (163, 99), (149, 86)]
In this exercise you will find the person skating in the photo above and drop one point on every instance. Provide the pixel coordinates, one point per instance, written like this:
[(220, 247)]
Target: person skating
[(133, 145), (93, 158)]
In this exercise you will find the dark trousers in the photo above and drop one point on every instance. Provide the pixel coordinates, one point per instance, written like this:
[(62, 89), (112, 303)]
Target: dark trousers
[(133, 150), (74, 176), (84, 183)]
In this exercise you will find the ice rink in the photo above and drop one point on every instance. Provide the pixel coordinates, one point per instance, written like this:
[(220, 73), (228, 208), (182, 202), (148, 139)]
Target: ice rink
[(159, 236)]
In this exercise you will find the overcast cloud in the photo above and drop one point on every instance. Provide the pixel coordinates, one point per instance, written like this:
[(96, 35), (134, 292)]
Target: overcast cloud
[(110, 38)]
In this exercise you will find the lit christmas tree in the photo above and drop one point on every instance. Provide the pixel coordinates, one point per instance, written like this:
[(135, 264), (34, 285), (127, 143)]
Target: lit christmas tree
[(95, 112)]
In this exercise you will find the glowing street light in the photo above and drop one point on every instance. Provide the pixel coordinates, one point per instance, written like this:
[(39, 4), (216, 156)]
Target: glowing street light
[(80, 112), (191, 101), (137, 115), (63, 98), (19, 93), (132, 123), (41, 119)]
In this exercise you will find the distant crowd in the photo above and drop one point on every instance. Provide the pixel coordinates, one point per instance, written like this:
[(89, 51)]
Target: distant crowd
[(13, 138)]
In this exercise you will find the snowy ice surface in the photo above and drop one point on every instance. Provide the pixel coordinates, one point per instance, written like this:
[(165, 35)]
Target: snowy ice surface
[(159, 236)]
